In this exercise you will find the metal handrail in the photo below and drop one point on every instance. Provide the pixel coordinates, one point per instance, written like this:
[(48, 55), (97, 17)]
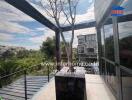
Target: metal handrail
[(25, 77), (25, 80), (25, 84), (11, 74), (17, 72)]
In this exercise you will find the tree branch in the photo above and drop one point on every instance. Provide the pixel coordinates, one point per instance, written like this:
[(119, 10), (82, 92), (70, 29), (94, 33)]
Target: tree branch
[(66, 15), (47, 12)]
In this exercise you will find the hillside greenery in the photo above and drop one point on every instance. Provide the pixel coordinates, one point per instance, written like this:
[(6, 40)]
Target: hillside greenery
[(25, 59), (20, 61)]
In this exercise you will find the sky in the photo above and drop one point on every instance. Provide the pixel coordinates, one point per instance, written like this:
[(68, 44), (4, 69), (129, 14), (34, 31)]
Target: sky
[(18, 29)]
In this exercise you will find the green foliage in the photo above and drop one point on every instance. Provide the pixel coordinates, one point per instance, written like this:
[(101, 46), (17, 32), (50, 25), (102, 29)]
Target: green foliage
[(22, 54), (8, 67), (63, 53), (29, 60), (75, 54), (20, 61), (48, 48), (8, 54)]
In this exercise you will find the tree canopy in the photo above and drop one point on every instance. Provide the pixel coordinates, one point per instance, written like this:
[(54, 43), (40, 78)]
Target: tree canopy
[(48, 48)]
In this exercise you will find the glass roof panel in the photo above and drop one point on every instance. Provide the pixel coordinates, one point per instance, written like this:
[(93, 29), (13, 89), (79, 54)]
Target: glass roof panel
[(86, 31), (85, 11), (18, 29)]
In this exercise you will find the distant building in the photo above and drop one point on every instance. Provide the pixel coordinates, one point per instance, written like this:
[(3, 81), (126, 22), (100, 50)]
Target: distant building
[(87, 47)]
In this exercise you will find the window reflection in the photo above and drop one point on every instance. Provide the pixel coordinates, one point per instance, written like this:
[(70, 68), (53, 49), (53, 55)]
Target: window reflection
[(127, 5), (111, 76), (102, 67), (109, 42), (126, 85), (125, 51), (125, 43), (102, 42)]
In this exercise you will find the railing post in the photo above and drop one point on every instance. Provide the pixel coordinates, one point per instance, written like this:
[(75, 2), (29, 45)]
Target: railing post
[(0, 83), (48, 73), (25, 84)]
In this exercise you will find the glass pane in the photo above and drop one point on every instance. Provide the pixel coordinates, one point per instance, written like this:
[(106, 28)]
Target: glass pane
[(127, 5), (126, 85), (111, 76), (102, 42), (84, 41), (101, 7), (109, 41), (19, 30), (103, 66), (84, 11), (125, 43), (125, 37)]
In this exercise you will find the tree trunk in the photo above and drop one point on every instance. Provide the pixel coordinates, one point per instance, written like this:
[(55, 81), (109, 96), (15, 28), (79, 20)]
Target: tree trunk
[(71, 43), (71, 67), (68, 47)]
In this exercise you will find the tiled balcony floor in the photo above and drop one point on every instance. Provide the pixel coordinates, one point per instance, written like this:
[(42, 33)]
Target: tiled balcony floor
[(16, 90), (96, 89)]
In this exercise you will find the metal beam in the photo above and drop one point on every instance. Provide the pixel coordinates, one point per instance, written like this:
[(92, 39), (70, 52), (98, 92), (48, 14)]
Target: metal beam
[(99, 49), (25, 7), (58, 51), (125, 18), (93, 24), (80, 26)]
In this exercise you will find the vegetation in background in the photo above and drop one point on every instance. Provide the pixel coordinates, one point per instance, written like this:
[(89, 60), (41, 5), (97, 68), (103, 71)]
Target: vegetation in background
[(31, 60), (48, 50), (21, 60), (26, 59)]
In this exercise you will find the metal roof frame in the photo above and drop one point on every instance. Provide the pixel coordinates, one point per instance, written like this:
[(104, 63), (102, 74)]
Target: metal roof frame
[(28, 9)]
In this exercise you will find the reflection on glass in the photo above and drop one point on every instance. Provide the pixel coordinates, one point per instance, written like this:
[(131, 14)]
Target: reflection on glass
[(102, 42), (102, 67), (127, 5), (126, 85), (109, 42), (125, 43), (111, 76)]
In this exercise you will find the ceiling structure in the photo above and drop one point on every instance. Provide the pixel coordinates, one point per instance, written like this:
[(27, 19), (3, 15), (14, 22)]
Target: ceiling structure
[(84, 11), (25, 7), (33, 12)]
